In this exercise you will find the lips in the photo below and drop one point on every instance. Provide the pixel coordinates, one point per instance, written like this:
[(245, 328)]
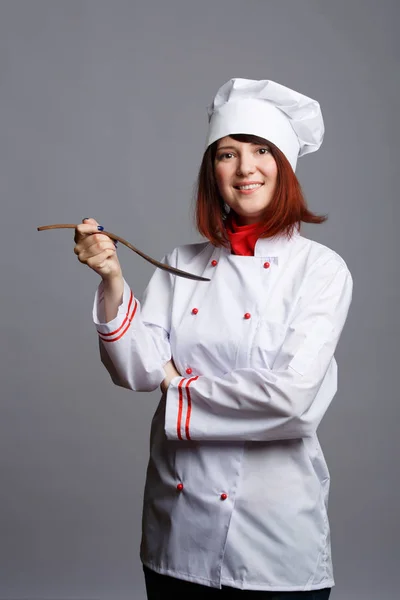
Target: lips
[(251, 185)]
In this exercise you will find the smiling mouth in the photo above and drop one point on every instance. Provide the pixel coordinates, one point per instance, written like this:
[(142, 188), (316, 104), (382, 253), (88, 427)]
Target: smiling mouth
[(250, 186)]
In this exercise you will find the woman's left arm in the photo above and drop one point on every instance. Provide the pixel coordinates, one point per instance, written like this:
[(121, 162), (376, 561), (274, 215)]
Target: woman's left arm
[(286, 402)]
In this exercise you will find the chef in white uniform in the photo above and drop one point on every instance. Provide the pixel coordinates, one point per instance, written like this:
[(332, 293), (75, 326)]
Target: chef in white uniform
[(237, 485)]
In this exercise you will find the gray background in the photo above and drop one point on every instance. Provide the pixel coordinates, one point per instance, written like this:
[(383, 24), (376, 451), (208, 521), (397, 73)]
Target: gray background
[(102, 113)]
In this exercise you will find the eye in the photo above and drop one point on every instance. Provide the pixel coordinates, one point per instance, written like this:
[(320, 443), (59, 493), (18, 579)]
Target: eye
[(224, 155), (263, 151)]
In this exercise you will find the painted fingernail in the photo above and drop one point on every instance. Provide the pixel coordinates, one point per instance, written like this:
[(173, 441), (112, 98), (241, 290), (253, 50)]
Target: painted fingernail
[(116, 243), (100, 228), (85, 219)]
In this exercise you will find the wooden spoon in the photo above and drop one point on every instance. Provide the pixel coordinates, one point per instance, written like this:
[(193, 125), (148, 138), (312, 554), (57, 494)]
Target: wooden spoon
[(116, 238)]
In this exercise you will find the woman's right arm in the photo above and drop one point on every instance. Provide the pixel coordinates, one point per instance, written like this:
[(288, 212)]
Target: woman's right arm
[(133, 351)]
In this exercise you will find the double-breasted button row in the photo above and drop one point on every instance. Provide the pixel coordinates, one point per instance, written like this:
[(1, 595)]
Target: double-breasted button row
[(180, 487), (196, 310), (246, 315), (266, 264)]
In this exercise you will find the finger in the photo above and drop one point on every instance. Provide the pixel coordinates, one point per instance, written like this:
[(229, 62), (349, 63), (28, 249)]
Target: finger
[(100, 260), (90, 221), (93, 246), (96, 240), (84, 230)]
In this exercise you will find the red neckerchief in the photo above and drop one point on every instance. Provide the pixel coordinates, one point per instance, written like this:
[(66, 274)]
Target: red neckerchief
[(243, 238)]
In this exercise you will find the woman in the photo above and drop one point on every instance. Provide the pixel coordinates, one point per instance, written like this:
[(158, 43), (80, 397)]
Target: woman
[(237, 486)]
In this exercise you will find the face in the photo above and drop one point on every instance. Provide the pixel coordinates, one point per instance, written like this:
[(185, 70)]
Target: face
[(246, 176)]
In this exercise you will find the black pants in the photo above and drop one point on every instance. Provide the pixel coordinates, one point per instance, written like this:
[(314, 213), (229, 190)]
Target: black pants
[(160, 587)]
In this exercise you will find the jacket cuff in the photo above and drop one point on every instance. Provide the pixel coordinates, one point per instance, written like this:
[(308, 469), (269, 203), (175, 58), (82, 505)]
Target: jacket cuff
[(178, 410), (126, 312)]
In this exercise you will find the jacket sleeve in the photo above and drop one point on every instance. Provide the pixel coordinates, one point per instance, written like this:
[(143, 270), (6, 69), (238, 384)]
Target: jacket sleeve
[(287, 401), (132, 348)]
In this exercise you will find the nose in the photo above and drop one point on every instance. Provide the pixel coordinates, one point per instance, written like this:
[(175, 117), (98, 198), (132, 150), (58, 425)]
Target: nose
[(245, 165)]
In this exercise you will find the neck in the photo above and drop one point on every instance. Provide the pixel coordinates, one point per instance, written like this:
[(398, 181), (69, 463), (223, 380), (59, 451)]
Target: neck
[(242, 221)]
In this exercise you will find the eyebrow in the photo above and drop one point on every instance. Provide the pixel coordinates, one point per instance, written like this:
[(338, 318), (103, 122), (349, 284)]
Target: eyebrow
[(234, 147)]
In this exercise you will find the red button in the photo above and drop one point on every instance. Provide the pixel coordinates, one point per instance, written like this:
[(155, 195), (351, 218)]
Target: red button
[(247, 316), (195, 311), (224, 496), (189, 371), (214, 263), (267, 265), (179, 487)]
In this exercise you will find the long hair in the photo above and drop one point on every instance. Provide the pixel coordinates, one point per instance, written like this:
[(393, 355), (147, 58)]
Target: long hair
[(287, 209)]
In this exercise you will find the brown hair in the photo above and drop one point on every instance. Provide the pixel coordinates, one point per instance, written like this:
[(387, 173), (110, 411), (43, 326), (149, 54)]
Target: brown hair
[(287, 208)]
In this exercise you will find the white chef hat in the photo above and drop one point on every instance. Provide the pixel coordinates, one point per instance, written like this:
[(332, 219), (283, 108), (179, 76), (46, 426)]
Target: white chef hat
[(291, 121)]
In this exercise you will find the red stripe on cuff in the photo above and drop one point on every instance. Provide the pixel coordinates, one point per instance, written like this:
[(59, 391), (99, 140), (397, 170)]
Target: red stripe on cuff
[(124, 321), (180, 409), (124, 331), (189, 408)]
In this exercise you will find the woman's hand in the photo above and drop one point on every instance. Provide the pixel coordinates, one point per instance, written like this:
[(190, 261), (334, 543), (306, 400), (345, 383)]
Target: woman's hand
[(170, 373), (97, 251)]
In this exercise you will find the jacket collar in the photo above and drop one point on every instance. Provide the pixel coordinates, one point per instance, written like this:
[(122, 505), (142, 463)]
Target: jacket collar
[(276, 245)]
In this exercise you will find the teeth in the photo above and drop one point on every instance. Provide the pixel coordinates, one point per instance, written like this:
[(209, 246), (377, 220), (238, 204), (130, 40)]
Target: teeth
[(252, 186)]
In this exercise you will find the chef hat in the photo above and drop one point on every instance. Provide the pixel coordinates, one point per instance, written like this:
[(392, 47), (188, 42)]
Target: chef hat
[(289, 120)]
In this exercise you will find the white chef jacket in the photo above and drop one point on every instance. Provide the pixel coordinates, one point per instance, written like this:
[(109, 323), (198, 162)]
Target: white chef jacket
[(237, 485)]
